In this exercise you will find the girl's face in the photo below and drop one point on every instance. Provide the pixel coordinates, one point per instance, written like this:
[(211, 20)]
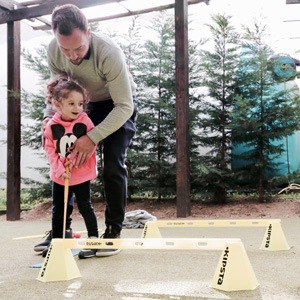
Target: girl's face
[(70, 107)]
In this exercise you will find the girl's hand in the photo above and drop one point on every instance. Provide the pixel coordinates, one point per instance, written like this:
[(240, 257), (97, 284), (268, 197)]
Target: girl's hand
[(66, 176), (69, 163)]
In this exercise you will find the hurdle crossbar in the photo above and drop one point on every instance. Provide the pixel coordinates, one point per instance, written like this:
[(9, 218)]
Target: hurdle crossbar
[(274, 238), (150, 244), (233, 273)]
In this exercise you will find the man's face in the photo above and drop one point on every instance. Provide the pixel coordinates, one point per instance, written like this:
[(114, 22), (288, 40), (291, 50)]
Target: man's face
[(74, 46)]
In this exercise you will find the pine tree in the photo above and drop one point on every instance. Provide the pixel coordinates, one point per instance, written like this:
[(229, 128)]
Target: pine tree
[(155, 140), (153, 153), (263, 114), (219, 68)]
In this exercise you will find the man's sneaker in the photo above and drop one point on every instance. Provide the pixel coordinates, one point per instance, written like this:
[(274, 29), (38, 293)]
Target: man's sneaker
[(109, 234), (45, 251), (69, 235), (43, 245), (88, 253)]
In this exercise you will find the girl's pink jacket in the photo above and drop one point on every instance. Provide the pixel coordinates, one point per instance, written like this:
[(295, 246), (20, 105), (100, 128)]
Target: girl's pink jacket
[(60, 136)]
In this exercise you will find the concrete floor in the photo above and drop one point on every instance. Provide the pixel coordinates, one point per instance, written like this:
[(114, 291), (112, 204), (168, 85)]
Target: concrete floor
[(150, 274)]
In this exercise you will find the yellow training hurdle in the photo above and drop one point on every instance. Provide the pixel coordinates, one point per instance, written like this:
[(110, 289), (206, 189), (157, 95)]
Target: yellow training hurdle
[(274, 239), (233, 273)]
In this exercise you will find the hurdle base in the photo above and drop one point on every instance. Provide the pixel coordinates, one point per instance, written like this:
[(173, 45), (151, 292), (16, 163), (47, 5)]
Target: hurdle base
[(58, 258), (274, 239), (234, 271)]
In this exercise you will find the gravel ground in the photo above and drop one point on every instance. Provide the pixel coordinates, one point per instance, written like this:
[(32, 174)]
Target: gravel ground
[(150, 274)]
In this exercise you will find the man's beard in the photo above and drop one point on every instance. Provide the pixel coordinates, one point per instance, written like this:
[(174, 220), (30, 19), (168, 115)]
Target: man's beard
[(77, 62)]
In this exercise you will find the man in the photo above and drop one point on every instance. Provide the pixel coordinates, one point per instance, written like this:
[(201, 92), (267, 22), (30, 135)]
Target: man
[(98, 64)]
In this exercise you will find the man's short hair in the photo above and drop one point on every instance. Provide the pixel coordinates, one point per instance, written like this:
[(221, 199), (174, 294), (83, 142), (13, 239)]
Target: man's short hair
[(66, 18)]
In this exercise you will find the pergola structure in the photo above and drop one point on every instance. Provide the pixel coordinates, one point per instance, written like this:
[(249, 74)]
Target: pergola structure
[(12, 12)]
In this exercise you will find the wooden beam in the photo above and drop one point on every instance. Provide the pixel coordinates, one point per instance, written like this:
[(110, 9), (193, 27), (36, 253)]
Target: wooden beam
[(10, 5), (35, 2), (127, 14), (24, 12), (182, 109), (139, 12), (13, 122), (46, 9), (6, 4)]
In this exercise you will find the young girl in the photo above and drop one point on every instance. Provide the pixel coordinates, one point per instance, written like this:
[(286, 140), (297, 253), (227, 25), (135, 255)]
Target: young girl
[(68, 124)]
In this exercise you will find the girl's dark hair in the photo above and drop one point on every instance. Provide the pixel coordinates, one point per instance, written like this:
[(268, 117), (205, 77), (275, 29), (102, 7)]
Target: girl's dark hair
[(60, 88), (66, 18)]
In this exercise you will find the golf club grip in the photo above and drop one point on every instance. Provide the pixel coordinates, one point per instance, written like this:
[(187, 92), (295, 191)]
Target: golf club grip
[(67, 167), (67, 182)]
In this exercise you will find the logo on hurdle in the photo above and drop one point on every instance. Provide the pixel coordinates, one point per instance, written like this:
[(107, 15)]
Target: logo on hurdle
[(46, 261), (223, 268), (93, 244), (145, 231), (268, 239)]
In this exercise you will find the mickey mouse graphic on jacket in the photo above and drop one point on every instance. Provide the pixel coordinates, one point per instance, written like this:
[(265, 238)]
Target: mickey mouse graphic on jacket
[(61, 135), (65, 141)]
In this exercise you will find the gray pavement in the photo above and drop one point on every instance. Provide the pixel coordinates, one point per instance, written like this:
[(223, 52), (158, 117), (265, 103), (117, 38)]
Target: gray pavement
[(150, 274)]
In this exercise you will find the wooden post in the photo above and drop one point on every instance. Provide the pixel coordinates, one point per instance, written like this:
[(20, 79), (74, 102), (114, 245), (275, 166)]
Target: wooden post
[(13, 122), (182, 109)]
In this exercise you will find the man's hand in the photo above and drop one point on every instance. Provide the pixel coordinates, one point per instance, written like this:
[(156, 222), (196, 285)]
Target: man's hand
[(44, 123), (82, 148)]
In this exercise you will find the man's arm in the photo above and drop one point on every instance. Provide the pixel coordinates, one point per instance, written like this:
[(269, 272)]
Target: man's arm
[(116, 73)]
